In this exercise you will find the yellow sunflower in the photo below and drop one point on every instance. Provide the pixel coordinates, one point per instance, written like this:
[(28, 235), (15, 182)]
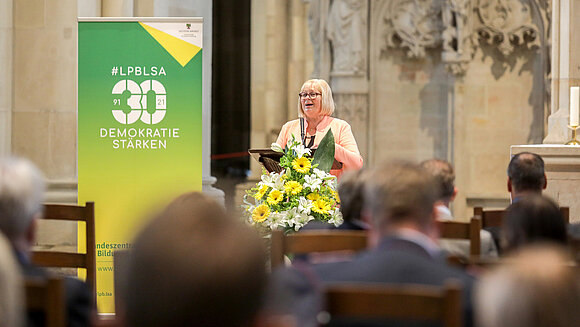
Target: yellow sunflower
[(261, 192), (313, 196), (320, 206), (293, 187), (275, 197), (301, 165), (260, 213)]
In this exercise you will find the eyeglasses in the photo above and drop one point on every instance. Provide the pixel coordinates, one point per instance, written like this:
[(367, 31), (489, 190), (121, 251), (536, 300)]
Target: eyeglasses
[(312, 95)]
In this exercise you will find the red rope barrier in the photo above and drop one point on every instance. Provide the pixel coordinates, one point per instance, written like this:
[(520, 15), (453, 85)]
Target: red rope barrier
[(229, 155)]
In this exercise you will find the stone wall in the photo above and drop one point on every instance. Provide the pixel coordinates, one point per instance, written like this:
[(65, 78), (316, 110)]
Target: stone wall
[(44, 85), (458, 80), (6, 33), (38, 73)]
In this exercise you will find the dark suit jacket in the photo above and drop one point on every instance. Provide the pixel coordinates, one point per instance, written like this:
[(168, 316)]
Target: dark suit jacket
[(79, 302), (395, 261)]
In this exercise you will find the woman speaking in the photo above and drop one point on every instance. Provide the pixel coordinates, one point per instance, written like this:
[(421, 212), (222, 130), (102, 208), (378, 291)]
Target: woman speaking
[(315, 106)]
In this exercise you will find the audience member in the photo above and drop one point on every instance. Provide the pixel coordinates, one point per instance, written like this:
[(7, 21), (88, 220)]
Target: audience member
[(400, 199), (526, 175), (21, 193), (444, 176), (533, 219), (537, 289), (11, 288), (350, 191), (194, 265)]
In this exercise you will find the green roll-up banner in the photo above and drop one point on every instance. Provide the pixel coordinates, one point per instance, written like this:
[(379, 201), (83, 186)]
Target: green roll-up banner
[(139, 126)]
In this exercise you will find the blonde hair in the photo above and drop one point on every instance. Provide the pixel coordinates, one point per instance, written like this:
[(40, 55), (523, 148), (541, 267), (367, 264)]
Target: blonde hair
[(327, 101)]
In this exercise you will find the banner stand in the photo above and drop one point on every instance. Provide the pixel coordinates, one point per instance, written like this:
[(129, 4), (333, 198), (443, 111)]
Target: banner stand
[(139, 126)]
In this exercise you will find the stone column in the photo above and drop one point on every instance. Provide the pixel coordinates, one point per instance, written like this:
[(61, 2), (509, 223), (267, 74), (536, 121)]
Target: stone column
[(269, 73), (89, 8), (44, 120), (299, 50), (117, 8), (202, 8), (144, 8), (565, 66), (347, 30), (44, 89), (6, 47)]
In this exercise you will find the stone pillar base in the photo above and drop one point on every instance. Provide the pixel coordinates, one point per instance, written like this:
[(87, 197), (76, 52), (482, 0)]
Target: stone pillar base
[(558, 131), (211, 191)]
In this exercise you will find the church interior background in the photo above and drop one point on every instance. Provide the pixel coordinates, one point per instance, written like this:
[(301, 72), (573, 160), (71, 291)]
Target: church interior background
[(461, 80)]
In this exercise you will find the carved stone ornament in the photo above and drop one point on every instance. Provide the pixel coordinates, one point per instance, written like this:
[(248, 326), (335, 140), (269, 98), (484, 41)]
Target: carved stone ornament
[(458, 45), (414, 25), (352, 108), (506, 24)]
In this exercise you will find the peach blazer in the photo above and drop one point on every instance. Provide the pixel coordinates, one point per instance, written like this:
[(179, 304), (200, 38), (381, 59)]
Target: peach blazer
[(345, 151)]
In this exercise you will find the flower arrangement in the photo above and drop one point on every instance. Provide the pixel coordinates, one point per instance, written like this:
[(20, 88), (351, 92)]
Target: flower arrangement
[(302, 192)]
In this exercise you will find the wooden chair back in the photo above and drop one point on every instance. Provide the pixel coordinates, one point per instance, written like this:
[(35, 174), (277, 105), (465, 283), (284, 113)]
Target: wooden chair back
[(489, 218), (110, 321), (396, 302), (462, 230), (87, 260), (574, 246), (314, 241), (46, 295), (494, 218)]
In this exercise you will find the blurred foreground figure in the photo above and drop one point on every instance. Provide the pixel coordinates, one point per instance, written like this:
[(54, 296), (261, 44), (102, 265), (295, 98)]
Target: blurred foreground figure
[(533, 219), (444, 175), (538, 288), (11, 288), (400, 199), (21, 195), (194, 265), (350, 191)]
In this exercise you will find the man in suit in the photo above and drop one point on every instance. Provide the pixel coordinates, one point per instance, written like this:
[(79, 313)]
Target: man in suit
[(21, 194), (444, 175), (526, 175), (400, 208)]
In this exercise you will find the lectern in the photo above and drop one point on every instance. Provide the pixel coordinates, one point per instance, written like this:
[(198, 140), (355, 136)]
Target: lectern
[(270, 159)]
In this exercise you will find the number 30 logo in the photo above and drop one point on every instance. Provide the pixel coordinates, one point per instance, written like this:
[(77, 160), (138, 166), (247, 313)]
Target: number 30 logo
[(137, 101)]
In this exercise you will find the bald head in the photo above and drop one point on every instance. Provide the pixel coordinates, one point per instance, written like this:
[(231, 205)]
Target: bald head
[(526, 173)]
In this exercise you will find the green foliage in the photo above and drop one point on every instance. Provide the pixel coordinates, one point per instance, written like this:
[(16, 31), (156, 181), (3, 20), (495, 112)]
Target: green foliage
[(324, 155)]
